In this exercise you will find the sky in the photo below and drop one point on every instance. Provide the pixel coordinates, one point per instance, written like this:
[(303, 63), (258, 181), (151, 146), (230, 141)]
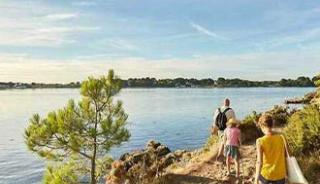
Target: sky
[(64, 41)]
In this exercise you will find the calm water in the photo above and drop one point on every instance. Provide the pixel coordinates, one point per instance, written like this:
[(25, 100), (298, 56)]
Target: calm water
[(179, 118)]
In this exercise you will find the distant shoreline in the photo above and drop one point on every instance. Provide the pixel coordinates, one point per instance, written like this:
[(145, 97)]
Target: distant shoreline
[(174, 83), (2, 89)]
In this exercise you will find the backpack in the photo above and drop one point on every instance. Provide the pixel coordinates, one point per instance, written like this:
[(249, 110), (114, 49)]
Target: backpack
[(221, 119)]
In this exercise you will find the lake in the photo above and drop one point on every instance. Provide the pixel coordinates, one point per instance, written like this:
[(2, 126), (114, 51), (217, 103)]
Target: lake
[(179, 118)]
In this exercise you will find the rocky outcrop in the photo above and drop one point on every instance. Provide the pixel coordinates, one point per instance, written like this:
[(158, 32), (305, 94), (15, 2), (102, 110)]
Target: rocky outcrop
[(144, 166), (306, 99)]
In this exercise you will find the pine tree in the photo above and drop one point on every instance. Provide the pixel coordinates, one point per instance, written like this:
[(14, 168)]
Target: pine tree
[(86, 130)]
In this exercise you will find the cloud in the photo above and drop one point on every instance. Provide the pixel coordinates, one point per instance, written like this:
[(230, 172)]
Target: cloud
[(61, 16), (21, 25), (254, 66), (205, 31), (84, 3), (90, 3), (43, 37)]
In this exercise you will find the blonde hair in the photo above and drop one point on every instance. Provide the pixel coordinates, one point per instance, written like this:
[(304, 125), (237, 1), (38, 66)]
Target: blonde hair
[(233, 122)]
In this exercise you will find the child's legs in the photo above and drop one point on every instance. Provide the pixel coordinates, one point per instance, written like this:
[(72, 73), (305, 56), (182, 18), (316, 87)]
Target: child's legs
[(237, 163), (228, 162)]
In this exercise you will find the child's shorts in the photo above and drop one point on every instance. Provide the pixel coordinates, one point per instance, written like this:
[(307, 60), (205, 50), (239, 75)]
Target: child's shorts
[(232, 151)]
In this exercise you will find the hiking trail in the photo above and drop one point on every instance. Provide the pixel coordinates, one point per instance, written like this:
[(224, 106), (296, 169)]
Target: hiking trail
[(209, 171)]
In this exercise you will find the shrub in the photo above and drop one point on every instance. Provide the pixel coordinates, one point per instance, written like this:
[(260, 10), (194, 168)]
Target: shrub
[(311, 168), (316, 80), (61, 174), (249, 129), (303, 131), (316, 99), (251, 118), (280, 114)]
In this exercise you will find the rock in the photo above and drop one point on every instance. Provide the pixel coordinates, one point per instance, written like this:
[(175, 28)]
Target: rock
[(124, 156), (162, 150), (179, 153), (168, 159), (187, 155), (302, 100), (128, 164), (152, 144), (137, 157), (148, 163)]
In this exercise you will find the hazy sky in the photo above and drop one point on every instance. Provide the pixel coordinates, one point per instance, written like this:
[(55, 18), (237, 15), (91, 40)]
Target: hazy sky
[(62, 41)]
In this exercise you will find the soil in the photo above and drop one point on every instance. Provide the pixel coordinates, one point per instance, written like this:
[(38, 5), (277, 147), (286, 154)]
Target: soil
[(210, 171)]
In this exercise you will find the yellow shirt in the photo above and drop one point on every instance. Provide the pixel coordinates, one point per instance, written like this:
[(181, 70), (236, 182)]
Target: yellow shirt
[(273, 155)]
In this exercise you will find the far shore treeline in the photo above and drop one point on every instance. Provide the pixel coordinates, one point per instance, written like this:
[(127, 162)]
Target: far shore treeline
[(175, 83)]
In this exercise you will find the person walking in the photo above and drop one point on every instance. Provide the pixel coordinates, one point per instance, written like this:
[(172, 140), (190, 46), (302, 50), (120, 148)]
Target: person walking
[(221, 116), (232, 142), (271, 154)]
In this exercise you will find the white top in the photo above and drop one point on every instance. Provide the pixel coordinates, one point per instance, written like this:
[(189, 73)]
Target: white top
[(229, 114)]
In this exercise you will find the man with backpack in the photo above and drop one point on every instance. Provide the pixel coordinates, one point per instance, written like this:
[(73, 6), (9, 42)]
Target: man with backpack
[(221, 116)]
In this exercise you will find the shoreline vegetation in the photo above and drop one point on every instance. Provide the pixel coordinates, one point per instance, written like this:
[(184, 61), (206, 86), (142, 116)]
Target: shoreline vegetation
[(175, 83)]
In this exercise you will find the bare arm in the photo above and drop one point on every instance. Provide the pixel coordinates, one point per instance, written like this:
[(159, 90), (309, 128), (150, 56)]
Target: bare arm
[(259, 162)]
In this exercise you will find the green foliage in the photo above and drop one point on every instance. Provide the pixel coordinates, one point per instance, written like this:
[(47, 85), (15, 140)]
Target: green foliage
[(87, 129), (316, 80), (280, 114), (311, 168), (251, 118), (103, 165), (317, 83), (220, 82), (249, 129), (303, 131), (61, 174), (180, 82)]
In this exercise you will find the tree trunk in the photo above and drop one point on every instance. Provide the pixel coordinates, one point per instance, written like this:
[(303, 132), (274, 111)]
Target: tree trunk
[(93, 161), (93, 167)]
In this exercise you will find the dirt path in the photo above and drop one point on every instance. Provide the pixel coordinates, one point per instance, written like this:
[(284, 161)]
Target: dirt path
[(208, 171)]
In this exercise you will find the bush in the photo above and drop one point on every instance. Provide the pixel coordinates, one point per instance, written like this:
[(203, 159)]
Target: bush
[(311, 168), (303, 131), (316, 99), (249, 129), (280, 114), (61, 174), (316, 80)]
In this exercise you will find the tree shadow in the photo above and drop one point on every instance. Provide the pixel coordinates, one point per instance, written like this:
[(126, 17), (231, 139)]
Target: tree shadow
[(186, 179)]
